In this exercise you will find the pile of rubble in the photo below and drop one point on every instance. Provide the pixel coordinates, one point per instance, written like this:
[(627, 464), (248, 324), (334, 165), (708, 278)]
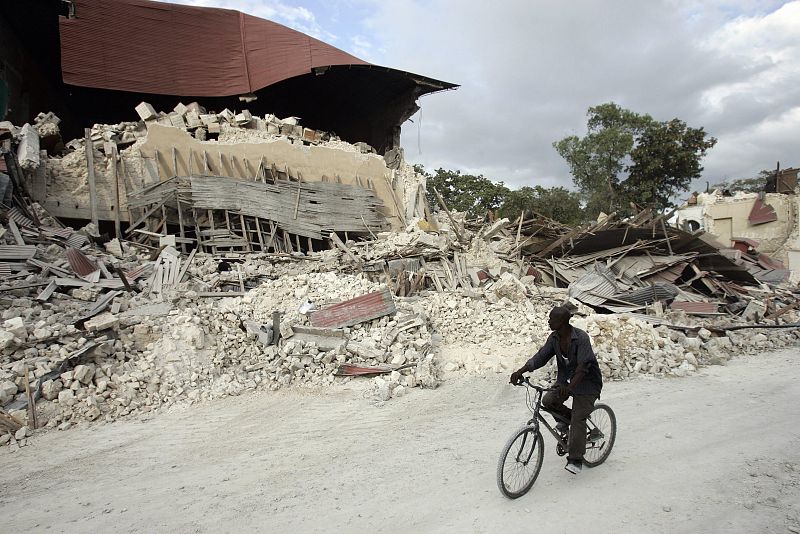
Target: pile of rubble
[(96, 328)]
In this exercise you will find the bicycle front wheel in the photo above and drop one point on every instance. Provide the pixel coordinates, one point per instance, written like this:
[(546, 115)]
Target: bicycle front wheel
[(520, 462)]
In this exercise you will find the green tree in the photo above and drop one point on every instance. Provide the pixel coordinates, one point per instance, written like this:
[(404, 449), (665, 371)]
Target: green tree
[(474, 195), (556, 203), (627, 157), (749, 185)]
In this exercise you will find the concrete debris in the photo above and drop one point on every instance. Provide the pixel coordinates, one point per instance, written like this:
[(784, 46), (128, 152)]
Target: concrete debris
[(149, 320), (28, 149)]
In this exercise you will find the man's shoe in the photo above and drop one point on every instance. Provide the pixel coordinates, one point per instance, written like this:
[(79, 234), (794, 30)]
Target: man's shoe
[(562, 427), (574, 467), (595, 435)]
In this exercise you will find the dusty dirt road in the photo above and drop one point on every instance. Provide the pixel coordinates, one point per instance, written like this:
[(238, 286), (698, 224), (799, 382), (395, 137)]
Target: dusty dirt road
[(332, 462)]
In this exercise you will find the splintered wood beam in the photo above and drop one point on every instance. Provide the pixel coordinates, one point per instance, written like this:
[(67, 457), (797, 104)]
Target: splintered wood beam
[(180, 223), (115, 176), (338, 243), (90, 176), (447, 211)]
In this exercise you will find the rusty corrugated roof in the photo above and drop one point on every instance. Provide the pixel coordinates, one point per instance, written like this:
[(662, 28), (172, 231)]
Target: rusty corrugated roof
[(153, 47), (355, 311), (762, 213), (695, 308), (79, 263)]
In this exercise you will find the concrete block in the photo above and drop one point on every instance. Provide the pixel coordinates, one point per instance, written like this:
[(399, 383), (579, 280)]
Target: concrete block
[(197, 108), (103, 321), (193, 119), (209, 119), (312, 136), (180, 109), (226, 115), (177, 120), (146, 111), (244, 117), (16, 326)]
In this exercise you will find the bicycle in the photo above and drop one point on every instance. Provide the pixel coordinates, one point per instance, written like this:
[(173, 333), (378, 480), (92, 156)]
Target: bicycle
[(516, 479)]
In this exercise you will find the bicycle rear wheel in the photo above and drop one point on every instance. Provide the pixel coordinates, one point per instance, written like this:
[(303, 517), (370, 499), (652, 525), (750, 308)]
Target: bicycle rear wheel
[(601, 429), (520, 462)]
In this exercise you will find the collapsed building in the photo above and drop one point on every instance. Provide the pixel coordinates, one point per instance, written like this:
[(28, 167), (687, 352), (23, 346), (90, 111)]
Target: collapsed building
[(248, 249), (766, 223), (226, 60)]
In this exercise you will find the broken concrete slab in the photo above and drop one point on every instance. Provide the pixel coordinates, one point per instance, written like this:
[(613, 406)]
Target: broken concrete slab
[(100, 322)]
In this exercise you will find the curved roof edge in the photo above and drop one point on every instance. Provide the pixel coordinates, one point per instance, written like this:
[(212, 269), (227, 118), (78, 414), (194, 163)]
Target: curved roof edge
[(152, 47)]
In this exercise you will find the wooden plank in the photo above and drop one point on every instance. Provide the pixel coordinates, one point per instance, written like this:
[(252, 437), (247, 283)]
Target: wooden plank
[(32, 423), (144, 217), (297, 201), (338, 243), (115, 179), (180, 224), (12, 225), (260, 235), (211, 224), (396, 202), (447, 211), (90, 175), (47, 292), (185, 266), (246, 233)]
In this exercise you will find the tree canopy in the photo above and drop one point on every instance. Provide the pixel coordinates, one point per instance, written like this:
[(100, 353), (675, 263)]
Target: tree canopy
[(754, 184), (557, 203), (478, 195), (628, 157), (473, 195)]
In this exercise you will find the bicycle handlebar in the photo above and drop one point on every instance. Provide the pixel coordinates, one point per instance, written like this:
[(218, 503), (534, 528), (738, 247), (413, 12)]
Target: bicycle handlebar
[(526, 382)]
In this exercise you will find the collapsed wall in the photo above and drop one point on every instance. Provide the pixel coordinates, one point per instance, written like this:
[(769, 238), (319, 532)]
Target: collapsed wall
[(134, 155)]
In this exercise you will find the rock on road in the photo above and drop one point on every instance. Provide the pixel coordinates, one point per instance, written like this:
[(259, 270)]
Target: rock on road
[(715, 452)]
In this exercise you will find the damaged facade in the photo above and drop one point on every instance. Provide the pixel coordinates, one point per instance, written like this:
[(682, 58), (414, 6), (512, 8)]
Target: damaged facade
[(767, 222)]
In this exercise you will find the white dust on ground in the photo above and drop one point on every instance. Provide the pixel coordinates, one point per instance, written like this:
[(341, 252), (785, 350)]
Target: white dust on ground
[(330, 461)]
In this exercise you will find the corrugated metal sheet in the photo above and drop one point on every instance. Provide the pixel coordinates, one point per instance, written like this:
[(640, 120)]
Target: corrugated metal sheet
[(669, 274), (17, 252), (80, 264), (77, 240), (648, 295), (19, 218), (594, 286), (355, 311), (695, 308), (768, 262), (153, 47), (762, 213), (63, 233)]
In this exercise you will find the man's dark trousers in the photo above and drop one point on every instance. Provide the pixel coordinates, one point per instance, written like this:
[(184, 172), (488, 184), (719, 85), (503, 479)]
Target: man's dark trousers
[(582, 406)]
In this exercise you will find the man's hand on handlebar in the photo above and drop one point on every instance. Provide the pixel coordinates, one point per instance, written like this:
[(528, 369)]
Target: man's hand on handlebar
[(517, 378)]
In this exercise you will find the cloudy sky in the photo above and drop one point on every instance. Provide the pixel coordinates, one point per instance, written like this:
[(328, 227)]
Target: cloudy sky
[(529, 70)]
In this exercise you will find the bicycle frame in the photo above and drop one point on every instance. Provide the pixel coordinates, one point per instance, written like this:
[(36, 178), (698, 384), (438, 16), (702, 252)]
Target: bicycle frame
[(536, 407)]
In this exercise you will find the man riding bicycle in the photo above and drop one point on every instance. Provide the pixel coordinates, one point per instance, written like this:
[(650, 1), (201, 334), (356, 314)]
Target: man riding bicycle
[(578, 376)]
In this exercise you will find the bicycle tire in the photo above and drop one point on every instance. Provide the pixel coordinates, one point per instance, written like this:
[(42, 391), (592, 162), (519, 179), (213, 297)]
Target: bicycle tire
[(533, 455), (603, 415)]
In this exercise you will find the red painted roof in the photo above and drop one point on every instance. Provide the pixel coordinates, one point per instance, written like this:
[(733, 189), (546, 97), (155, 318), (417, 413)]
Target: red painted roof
[(762, 213), (152, 47)]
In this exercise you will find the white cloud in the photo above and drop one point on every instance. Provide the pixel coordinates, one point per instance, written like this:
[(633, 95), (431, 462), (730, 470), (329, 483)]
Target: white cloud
[(295, 17), (529, 71)]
